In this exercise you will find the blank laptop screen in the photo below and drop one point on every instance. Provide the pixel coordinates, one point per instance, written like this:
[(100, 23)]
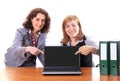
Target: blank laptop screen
[(61, 56)]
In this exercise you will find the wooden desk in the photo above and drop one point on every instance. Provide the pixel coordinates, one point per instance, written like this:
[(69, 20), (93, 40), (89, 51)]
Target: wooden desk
[(35, 74)]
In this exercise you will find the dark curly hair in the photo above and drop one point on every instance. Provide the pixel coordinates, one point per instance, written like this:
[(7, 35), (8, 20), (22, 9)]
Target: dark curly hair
[(28, 24)]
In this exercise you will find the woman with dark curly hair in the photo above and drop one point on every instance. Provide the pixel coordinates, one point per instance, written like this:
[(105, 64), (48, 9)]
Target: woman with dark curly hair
[(29, 40)]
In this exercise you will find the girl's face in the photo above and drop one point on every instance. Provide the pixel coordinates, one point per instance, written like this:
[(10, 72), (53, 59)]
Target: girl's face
[(72, 29), (38, 22)]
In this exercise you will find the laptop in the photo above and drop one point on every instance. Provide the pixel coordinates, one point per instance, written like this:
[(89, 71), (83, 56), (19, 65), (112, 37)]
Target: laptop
[(61, 60)]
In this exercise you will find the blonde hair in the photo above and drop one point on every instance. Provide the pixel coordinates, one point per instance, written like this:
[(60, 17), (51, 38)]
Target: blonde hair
[(67, 19)]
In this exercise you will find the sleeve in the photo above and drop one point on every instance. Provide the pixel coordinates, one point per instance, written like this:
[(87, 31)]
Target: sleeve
[(90, 41), (41, 45), (15, 55)]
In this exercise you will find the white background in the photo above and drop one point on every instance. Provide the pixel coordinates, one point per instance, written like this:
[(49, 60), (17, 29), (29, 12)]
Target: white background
[(100, 19)]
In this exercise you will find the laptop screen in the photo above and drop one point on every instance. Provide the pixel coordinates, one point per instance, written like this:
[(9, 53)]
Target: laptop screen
[(61, 56)]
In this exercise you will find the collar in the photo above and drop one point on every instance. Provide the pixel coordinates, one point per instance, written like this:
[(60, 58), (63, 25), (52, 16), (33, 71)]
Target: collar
[(30, 32), (79, 41)]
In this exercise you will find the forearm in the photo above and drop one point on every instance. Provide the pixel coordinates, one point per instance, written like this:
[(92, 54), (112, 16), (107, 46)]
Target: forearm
[(20, 52), (95, 51)]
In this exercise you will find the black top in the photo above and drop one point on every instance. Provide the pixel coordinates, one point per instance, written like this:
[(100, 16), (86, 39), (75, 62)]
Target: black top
[(85, 61)]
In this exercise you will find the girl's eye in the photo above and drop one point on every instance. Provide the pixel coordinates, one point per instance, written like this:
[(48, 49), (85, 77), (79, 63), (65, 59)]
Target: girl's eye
[(67, 26), (73, 25)]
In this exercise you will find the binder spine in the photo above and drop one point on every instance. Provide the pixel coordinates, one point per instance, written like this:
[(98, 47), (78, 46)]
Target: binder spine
[(114, 58), (104, 57)]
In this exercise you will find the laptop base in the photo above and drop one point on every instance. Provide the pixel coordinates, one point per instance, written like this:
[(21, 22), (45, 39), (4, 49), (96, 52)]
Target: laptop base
[(61, 70), (61, 73)]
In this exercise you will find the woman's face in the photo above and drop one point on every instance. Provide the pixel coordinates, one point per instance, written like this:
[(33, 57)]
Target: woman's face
[(38, 22), (72, 29)]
